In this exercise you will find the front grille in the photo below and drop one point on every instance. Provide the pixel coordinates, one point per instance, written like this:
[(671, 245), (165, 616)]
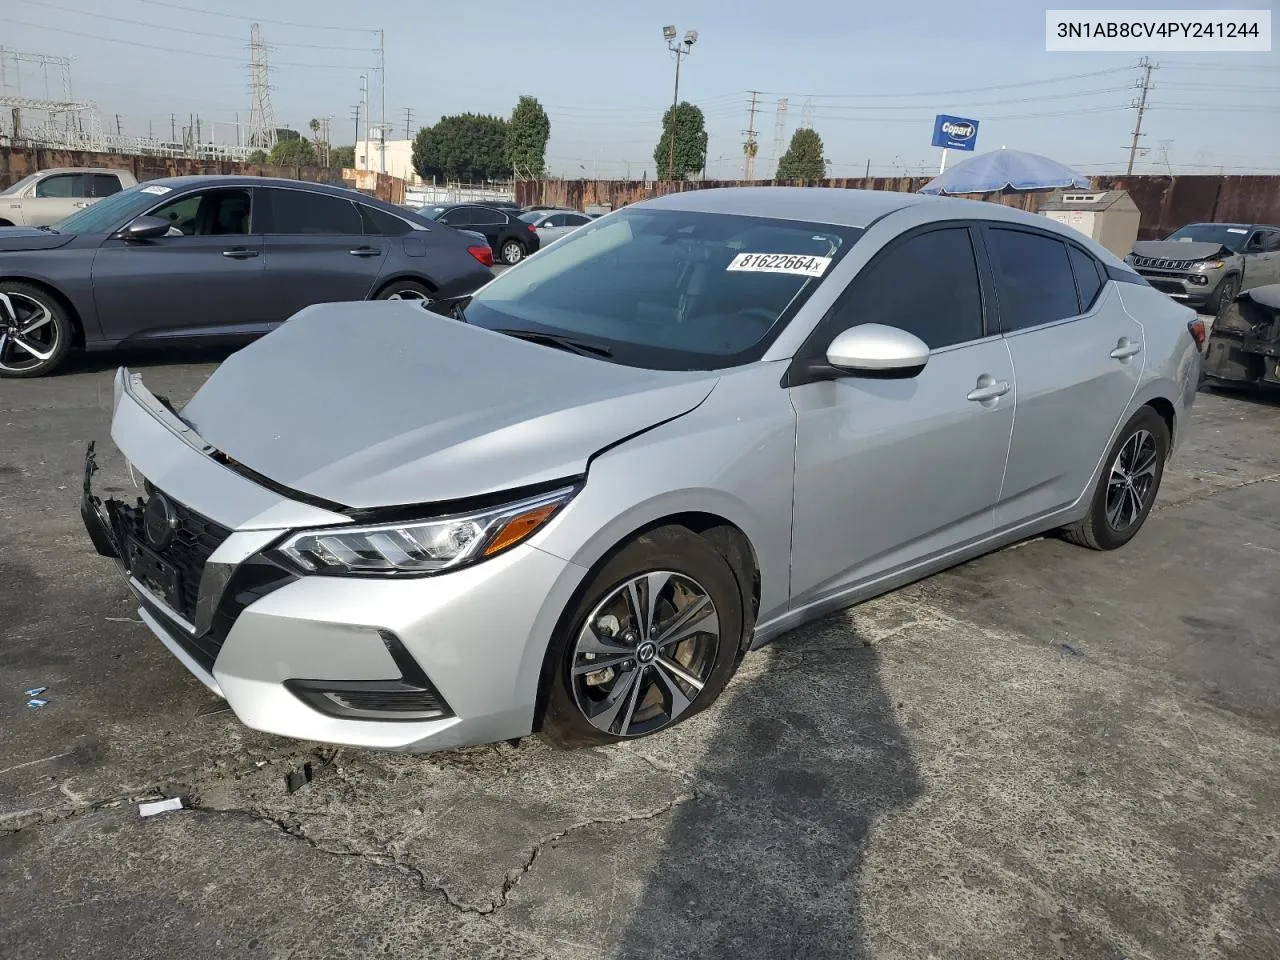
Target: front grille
[(1166, 286), (194, 540), (1155, 263)]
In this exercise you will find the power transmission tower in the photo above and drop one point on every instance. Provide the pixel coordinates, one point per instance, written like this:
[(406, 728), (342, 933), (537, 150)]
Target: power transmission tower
[(779, 128), (408, 121), (262, 119), (806, 114), (749, 146), (1141, 106)]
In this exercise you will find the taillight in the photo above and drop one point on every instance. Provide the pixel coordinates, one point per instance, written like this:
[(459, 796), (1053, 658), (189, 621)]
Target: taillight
[(532, 228), (483, 253), (1196, 327)]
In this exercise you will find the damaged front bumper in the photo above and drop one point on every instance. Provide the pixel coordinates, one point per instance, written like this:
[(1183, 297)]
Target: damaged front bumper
[(1244, 345)]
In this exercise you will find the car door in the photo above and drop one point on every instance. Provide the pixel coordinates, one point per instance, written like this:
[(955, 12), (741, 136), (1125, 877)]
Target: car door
[(55, 198), (204, 279), (458, 217), (1262, 262), (1077, 356), (492, 223), (889, 472), (316, 251)]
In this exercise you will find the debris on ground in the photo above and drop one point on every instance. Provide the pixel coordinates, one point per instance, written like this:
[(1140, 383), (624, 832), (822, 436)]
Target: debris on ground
[(34, 691), (35, 703), (153, 807), (1069, 650), (295, 780)]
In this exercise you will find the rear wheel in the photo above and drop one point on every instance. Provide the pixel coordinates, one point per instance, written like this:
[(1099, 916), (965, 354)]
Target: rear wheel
[(512, 252), (404, 290), (652, 641), (1128, 485), (35, 331)]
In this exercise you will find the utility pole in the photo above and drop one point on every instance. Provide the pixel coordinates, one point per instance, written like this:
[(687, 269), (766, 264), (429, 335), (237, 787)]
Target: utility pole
[(749, 146), (355, 115), (199, 140), (118, 125), (681, 48), (364, 90), (408, 120), (173, 128), (382, 114), (1145, 85), (237, 128)]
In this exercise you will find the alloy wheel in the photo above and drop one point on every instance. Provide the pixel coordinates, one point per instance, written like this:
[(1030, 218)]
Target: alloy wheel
[(1132, 480), (645, 653), (512, 252), (28, 333), (414, 295)]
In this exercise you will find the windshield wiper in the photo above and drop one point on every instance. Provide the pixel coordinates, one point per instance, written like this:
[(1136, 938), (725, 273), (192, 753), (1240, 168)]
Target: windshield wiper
[(580, 347)]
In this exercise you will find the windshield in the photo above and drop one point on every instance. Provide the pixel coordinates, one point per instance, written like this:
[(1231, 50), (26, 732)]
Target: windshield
[(1230, 235), (14, 188), (431, 212), (667, 289), (533, 216), (114, 211)]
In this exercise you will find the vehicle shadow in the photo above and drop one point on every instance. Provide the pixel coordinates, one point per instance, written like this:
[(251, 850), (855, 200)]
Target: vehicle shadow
[(768, 861), (1262, 397)]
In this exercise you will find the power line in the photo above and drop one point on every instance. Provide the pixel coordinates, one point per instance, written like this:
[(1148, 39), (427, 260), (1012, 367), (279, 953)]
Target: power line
[(236, 16), (941, 93), (165, 49), (980, 103), (192, 33)]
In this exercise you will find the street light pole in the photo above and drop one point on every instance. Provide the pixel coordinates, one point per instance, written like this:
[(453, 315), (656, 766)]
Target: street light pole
[(681, 48)]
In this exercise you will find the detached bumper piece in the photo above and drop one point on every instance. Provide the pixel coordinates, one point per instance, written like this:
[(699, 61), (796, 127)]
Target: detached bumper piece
[(412, 697), (1244, 345)]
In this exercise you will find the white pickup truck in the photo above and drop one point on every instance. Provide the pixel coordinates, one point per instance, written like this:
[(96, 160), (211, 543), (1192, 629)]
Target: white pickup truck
[(43, 198)]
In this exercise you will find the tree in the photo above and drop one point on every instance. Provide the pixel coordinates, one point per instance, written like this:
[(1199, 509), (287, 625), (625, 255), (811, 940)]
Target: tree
[(284, 133), (342, 157), (258, 156), (465, 146), (691, 142), (803, 159), (528, 130), (294, 153)]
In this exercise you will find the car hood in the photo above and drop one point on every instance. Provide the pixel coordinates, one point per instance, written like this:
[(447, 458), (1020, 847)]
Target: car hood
[(14, 239), (384, 403), (1179, 250)]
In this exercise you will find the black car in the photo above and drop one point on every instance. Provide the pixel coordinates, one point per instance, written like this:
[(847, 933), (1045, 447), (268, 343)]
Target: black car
[(214, 259), (511, 238)]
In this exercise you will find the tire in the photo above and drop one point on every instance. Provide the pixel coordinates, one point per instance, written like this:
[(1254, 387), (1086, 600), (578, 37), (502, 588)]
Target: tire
[(588, 707), (1224, 295), (1112, 520), (47, 325), (511, 252), (403, 290)]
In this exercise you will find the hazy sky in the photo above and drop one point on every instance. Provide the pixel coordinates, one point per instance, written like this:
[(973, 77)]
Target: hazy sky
[(872, 75)]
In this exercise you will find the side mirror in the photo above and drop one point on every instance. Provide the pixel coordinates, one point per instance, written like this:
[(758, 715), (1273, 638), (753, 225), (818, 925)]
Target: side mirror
[(875, 350), (145, 228)]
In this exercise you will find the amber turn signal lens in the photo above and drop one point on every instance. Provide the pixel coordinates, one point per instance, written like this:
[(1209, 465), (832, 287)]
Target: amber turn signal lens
[(519, 527)]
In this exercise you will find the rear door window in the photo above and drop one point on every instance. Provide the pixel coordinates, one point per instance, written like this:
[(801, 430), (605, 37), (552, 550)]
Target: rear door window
[(487, 218), (457, 218), (379, 223), (1088, 276), (295, 212), (105, 184), (927, 285), (1034, 282)]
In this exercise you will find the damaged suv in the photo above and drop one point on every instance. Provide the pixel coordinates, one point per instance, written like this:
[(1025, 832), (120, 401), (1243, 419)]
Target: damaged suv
[(1204, 265)]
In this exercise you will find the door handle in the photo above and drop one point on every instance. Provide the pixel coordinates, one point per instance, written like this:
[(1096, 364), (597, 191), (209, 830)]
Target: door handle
[(240, 253), (988, 388), (1125, 349), (365, 252)]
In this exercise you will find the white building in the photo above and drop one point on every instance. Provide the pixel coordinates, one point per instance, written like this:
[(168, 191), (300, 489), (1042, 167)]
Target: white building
[(398, 158)]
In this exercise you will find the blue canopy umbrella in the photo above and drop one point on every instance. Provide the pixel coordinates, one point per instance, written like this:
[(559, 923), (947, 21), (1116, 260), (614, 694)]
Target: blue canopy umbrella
[(1002, 168)]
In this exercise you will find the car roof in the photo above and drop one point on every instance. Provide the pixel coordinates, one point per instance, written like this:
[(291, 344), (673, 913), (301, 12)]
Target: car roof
[(82, 170), (240, 180), (832, 205)]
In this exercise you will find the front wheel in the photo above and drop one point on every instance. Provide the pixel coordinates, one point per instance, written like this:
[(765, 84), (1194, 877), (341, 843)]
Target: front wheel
[(1225, 296), (404, 290), (652, 641), (35, 331), (1128, 485), (512, 252)]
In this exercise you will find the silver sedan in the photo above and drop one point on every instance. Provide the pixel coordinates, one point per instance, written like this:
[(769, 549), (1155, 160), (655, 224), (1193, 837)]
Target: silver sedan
[(572, 501), (554, 224)]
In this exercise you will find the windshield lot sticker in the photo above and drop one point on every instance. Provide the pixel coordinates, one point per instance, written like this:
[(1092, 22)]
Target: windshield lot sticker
[(799, 264), (1236, 230), (158, 191)]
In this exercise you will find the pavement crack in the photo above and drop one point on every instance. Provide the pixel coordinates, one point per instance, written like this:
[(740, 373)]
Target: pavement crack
[(1215, 490)]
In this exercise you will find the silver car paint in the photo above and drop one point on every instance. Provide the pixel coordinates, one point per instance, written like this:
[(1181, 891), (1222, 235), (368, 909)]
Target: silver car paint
[(871, 467), (460, 411)]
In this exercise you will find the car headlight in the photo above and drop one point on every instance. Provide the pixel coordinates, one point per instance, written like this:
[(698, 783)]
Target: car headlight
[(423, 547), (1211, 265)]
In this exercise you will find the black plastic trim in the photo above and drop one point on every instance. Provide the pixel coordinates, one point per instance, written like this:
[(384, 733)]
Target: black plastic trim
[(1125, 276)]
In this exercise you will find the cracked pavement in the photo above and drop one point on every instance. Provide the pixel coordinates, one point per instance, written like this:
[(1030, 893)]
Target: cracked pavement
[(1045, 753)]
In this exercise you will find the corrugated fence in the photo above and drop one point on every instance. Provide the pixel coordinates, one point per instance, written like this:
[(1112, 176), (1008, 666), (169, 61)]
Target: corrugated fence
[(1166, 203)]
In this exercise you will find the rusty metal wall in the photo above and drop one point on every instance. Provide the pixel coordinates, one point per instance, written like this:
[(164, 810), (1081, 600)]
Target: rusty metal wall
[(17, 162), (1165, 203)]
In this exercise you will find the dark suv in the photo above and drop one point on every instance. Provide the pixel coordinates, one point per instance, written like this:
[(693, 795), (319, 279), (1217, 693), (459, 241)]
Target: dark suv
[(511, 238)]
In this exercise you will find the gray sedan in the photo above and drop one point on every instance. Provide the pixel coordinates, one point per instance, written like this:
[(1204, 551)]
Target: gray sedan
[(554, 224), (574, 500), (213, 260)]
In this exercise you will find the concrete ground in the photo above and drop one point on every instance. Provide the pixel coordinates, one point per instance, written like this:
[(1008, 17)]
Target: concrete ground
[(1046, 753)]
